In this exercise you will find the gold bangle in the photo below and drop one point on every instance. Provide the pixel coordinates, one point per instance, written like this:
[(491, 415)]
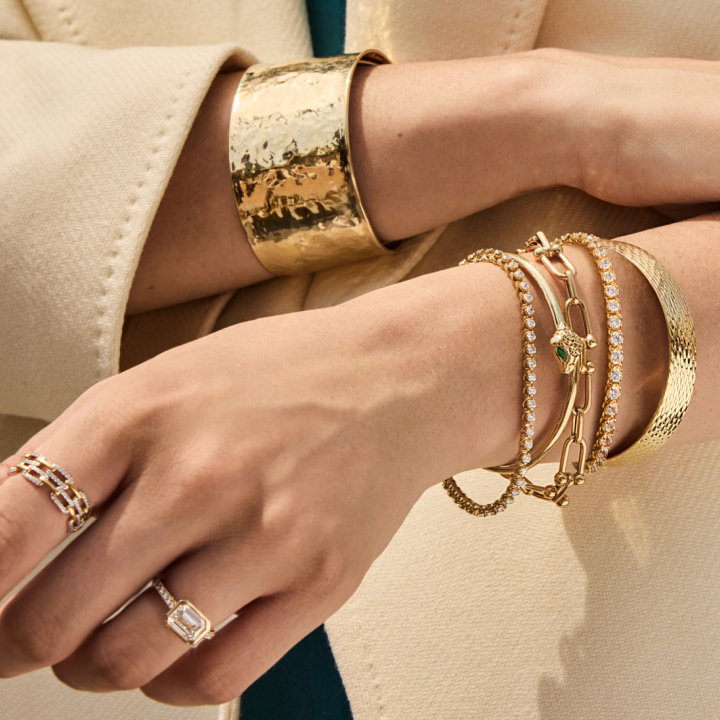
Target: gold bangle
[(683, 356), (291, 165), (567, 340)]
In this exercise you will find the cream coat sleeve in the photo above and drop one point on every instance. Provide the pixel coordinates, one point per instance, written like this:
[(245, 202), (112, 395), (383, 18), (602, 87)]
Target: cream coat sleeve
[(88, 141)]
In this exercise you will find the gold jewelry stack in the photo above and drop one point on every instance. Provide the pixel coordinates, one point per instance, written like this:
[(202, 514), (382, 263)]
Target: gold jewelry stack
[(291, 165), (570, 350)]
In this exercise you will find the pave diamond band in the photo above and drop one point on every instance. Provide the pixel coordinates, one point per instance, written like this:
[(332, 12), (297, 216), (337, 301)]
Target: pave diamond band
[(183, 618), (71, 501)]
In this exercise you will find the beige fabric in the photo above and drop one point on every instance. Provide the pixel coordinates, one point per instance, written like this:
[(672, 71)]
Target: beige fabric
[(609, 610)]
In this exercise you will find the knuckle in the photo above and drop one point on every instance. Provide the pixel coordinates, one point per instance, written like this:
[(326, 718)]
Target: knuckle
[(32, 634), (327, 572), (119, 667), (10, 543)]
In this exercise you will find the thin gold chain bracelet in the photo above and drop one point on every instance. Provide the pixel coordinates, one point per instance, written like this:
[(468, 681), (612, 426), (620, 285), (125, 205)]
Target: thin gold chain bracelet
[(613, 386)]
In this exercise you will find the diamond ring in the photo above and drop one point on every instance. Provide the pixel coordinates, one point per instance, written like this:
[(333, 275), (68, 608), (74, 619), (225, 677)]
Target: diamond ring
[(183, 618), (67, 497)]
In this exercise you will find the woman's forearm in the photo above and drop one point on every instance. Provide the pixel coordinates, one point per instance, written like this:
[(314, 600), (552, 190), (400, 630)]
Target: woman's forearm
[(197, 246), (431, 143)]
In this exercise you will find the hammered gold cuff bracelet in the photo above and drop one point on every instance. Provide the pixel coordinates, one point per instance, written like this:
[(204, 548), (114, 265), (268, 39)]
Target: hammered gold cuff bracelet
[(291, 166)]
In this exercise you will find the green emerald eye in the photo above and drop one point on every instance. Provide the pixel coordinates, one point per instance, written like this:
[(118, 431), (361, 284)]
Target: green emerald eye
[(561, 354)]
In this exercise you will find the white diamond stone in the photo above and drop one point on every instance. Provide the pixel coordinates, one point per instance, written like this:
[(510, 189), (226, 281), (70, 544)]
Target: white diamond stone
[(613, 306), (614, 392), (527, 297), (528, 444), (611, 291), (62, 508), (187, 621), (520, 483), (526, 458), (530, 323), (530, 417), (612, 409), (532, 390), (531, 404), (608, 277), (519, 274), (529, 310), (599, 253), (513, 265), (530, 431), (530, 337), (32, 479), (616, 357), (531, 377), (604, 264), (616, 374), (616, 338), (530, 349), (531, 363), (615, 322), (524, 285)]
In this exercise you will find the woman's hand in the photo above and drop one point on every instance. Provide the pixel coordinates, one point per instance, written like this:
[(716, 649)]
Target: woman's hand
[(644, 130), (259, 470)]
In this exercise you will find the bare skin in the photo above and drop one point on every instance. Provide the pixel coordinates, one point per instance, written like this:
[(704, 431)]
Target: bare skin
[(267, 483)]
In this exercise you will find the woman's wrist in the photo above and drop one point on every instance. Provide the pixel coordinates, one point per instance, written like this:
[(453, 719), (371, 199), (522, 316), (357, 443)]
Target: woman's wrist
[(452, 341), (433, 142)]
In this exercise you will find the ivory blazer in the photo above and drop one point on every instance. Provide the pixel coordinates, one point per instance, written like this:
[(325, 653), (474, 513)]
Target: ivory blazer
[(605, 611)]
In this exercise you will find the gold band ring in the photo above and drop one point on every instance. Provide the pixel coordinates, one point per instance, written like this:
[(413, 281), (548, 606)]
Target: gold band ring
[(67, 497), (183, 618)]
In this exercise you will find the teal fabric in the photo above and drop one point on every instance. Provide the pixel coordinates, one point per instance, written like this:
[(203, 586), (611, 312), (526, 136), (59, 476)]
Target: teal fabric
[(327, 26), (303, 685)]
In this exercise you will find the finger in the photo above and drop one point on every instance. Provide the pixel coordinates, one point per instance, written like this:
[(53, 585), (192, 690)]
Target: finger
[(96, 574), (135, 646), (96, 457), (243, 650)]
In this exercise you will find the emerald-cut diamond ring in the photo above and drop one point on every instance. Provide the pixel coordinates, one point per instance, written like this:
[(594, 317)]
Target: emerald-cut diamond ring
[(183, 618)]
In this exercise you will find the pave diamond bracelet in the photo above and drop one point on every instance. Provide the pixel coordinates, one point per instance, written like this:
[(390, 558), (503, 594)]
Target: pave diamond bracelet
[(517, 475)]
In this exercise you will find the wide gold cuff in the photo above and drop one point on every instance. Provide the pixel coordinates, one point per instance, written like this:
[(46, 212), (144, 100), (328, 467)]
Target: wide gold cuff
[(291, 166)]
